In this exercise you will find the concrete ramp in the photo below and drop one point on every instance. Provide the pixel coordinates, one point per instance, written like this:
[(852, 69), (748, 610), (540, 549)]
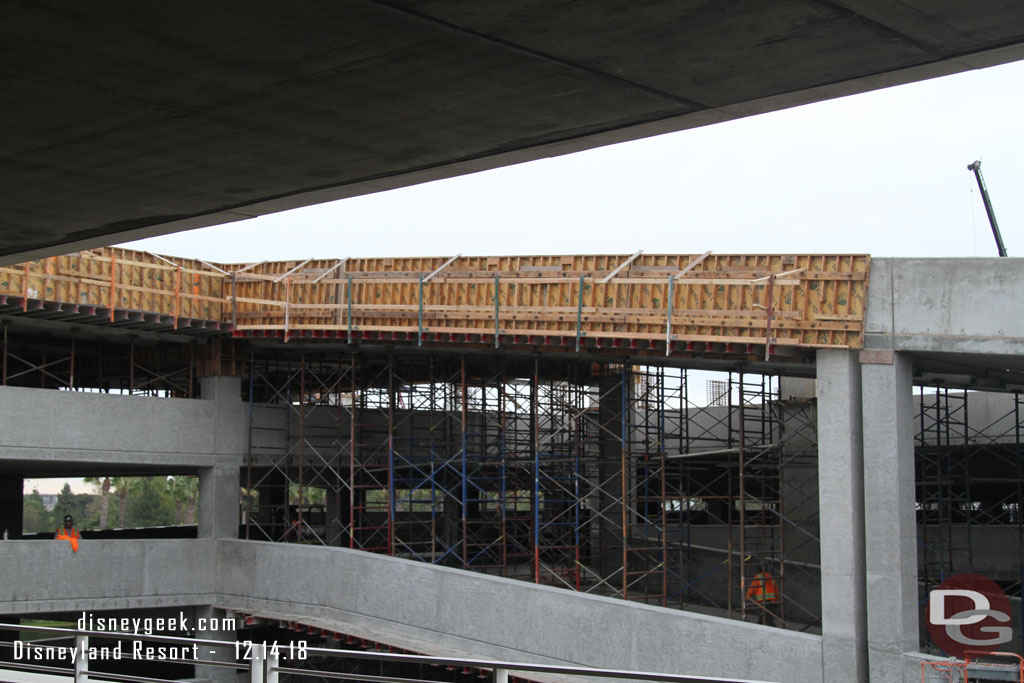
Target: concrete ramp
[(439, 610), (430, 609)]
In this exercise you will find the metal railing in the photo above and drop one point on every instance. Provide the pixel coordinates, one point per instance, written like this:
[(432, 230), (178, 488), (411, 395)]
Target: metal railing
[(265, 662)]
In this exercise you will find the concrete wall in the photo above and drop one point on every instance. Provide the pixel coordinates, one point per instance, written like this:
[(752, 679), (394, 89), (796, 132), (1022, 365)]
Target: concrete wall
[(949, 305), (45, 576), (82, 428), (409, 604), (440, 609)]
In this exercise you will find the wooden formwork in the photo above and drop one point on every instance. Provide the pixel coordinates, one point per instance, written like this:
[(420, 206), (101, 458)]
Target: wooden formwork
[(804, 300), (121, 279), (790, 300)]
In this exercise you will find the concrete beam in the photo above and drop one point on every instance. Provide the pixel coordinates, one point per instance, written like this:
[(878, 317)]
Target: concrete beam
[(946, 305), (841, 501), (71, 429)]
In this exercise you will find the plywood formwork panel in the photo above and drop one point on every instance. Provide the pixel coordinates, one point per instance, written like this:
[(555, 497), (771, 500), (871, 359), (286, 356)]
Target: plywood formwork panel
[(121, 279), (814, 300), (804, 300)]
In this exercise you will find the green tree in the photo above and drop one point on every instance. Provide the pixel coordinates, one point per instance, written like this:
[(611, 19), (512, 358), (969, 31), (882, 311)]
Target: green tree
[(36, 519), (67, 504), (89, 517), (151, 506), (125, 488), (184, 495), (104, 489)]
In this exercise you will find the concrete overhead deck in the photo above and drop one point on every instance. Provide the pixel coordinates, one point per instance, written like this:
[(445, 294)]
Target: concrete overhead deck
[(125, 120)]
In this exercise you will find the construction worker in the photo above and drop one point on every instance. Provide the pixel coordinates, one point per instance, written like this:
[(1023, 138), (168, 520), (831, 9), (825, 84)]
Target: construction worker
[(69, 533), (764, 593)]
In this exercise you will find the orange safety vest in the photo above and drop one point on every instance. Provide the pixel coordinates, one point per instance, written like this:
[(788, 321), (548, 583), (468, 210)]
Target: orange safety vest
[(72, 538), (763, 589)]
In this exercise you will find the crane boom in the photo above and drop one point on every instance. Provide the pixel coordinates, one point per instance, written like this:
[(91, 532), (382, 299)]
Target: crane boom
[(976, 167)]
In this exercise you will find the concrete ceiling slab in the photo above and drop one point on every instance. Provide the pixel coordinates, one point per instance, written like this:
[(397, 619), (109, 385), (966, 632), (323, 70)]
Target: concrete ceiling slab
[(126, 119)]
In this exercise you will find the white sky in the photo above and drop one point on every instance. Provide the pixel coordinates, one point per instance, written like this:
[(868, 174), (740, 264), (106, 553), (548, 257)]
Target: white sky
[(883, 173)]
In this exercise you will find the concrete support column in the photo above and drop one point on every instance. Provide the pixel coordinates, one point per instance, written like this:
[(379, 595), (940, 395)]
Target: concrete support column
[(889, 503), (218, 502), (219, 493), (215, 622), (841, 499)]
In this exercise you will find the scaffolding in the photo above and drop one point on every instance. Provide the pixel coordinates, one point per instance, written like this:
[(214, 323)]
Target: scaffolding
[(596, 477), (127, 365), (970, 484)]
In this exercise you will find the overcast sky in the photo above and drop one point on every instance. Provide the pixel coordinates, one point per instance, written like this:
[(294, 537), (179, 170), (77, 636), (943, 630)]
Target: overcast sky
[(883, 173)]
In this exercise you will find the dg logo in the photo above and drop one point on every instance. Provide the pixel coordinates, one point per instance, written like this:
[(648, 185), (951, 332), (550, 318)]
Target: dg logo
[(968, 612)]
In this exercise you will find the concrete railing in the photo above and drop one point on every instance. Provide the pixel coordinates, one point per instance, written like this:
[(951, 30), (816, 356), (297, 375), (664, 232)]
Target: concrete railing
[(413, 605), (45, 576)]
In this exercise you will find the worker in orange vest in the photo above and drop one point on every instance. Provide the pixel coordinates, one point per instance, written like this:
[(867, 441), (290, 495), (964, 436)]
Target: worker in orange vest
[(69, 533), (764, 592)]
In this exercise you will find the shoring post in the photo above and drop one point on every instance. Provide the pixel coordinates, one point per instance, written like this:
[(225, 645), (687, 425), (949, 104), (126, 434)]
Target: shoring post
[(741, 466), (41, 368), (578, 472), (81, 661), (354, 404), (391, 454), (113, 282), (248, 456), (730, 511), (177, 293), (503, 421), (668, 317), (465, 469), (302, 439), (131, 364), (501, 676), (419, 333), (234, 300), (287, 306), (348, 319), (1020, 495), (967, 485), (535, 432), (339, 465), (497, 323), (663, 472), (24, 292), (191, 369), (684, 421), (4, 325), (71, 369), (768, 327), (579, 315), (623, 460)]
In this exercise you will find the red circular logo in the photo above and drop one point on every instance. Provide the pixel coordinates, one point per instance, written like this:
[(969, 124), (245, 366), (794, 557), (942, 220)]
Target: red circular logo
[(968, 612)]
